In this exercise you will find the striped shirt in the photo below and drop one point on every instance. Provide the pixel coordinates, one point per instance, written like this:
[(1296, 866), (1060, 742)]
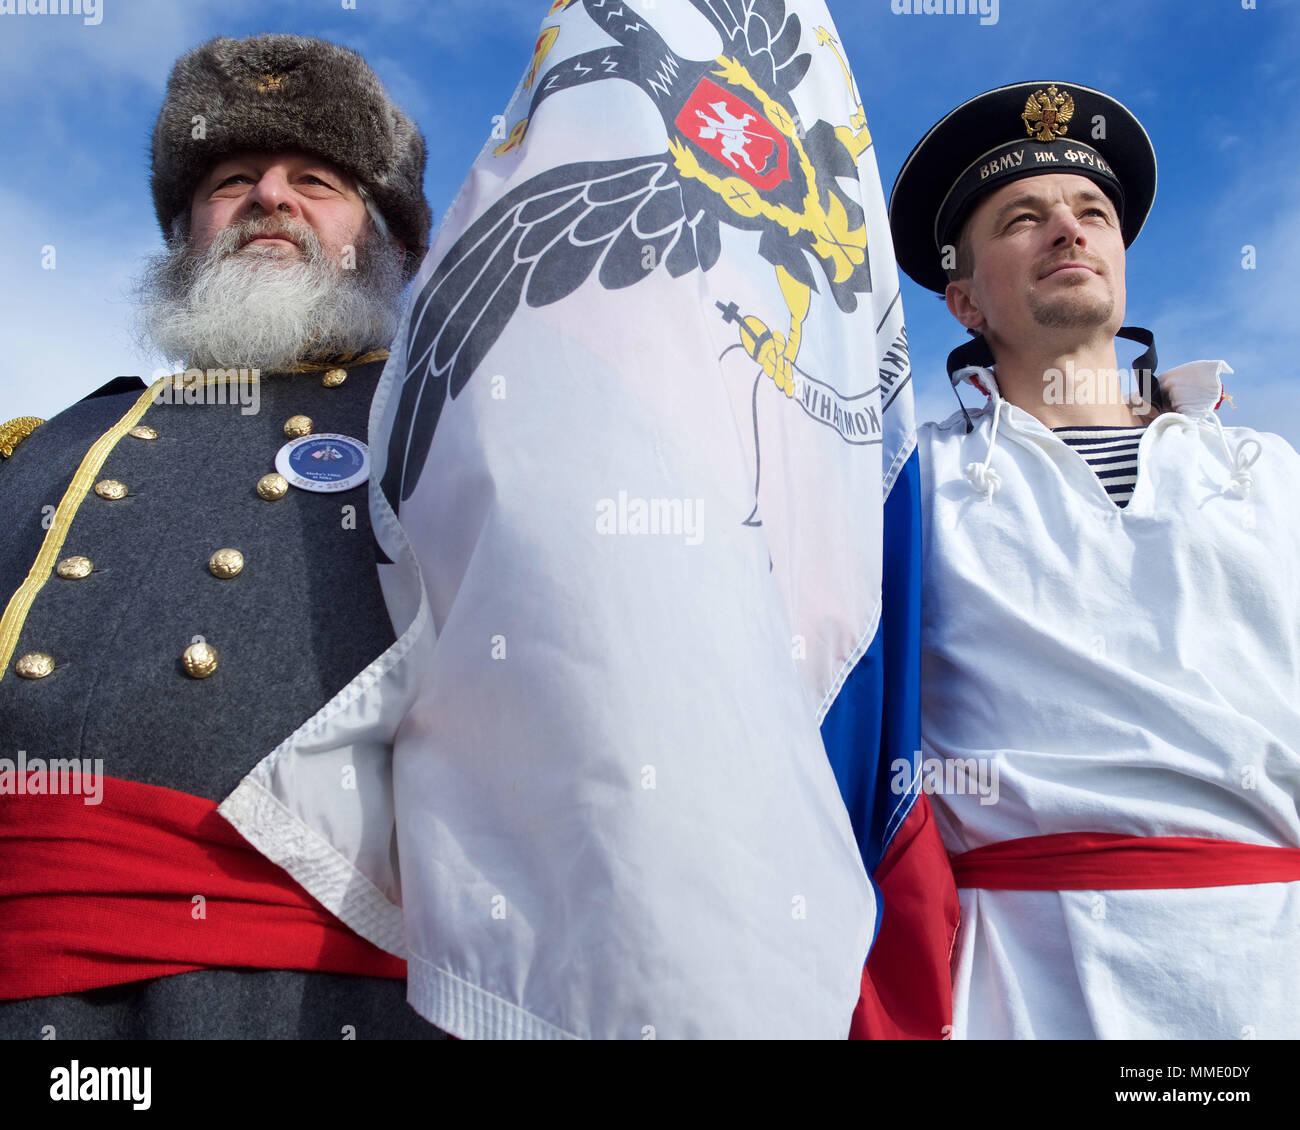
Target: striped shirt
[(1112, 453)]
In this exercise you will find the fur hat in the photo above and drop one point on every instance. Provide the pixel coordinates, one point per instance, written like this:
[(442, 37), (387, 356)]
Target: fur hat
[(271, 92)]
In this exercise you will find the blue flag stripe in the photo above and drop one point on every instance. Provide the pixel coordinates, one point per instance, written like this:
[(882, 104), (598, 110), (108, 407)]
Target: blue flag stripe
[(876, 718)]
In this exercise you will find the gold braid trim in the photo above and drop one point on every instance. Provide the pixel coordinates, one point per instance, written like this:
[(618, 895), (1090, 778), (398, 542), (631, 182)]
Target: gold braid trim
[(343, 361), (14, 431), (11, 623)]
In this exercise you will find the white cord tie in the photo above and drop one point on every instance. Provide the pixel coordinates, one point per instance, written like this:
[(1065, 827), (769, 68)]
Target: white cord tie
[(1242, 482), (984, 479)]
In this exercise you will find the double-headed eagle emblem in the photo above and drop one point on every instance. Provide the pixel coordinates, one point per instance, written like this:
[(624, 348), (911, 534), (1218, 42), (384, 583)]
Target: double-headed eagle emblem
[(1047, 114), (735, 154)]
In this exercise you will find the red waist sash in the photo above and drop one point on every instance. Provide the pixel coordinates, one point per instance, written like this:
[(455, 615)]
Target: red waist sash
[(1104, 861), (105, 894)]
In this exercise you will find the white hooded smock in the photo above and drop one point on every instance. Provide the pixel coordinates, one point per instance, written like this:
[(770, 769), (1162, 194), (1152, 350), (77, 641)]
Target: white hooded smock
[(1125, 670)]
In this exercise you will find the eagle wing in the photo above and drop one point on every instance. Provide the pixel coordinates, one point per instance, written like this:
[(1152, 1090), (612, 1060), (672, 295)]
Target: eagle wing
[(538, 243), (763, 36)]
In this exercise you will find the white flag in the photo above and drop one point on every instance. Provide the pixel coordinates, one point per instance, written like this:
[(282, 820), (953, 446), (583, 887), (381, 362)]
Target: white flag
[(635, 433)]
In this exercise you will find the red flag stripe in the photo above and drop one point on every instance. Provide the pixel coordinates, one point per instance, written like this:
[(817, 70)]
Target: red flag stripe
[(906, 986)]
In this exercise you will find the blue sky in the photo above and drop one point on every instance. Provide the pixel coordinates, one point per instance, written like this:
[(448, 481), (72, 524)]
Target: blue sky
[(1214, 82)]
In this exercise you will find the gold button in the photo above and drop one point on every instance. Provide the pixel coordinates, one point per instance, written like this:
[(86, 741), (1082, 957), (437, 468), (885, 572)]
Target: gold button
[(110, 489), (74, 568), (272, 486), (295, 427), (199, 660), (143, 431), (226, 563), (34, 665), (334, 378)]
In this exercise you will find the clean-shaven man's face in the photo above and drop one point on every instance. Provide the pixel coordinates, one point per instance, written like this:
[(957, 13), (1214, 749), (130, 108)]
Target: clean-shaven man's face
[(1048, 264), (279, 261)]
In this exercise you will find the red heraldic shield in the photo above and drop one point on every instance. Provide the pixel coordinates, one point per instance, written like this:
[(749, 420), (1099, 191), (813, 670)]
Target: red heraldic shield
[(733, 132)]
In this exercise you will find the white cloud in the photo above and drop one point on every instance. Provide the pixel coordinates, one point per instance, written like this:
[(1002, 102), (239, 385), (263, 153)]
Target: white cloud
[(68, 328)]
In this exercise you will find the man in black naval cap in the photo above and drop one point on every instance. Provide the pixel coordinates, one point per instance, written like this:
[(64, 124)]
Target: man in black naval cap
[(1110, 632), (190, 575)]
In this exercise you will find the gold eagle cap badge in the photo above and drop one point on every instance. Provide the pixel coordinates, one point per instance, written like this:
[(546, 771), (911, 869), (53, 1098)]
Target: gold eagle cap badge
[(1048, 113), (270, 82)]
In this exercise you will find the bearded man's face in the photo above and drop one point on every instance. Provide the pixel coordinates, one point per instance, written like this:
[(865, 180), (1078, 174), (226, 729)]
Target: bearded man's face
[(280, 261)]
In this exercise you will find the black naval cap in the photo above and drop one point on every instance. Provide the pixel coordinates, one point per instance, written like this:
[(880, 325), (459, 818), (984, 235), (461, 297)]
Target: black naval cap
[(1022, 130)]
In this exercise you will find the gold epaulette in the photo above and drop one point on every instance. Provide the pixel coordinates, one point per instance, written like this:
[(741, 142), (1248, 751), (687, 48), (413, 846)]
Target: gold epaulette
[(13, 432)]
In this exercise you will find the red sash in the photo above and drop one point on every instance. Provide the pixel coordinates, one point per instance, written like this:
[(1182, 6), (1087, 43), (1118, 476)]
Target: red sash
[(105, 894), (1104, 861), (906, 987)]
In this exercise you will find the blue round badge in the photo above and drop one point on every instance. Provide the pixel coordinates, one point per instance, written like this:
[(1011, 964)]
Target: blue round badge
[(326, 462)]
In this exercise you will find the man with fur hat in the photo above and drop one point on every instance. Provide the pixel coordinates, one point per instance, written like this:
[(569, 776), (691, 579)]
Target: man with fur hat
[(190, 573), (1110, 625)]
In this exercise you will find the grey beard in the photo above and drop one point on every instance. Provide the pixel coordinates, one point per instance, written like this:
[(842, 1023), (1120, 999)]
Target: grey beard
[(226, 308)]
